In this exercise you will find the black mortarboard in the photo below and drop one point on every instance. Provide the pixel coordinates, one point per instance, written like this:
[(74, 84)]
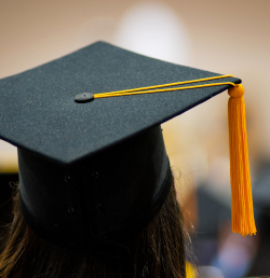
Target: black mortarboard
[(93, 173)]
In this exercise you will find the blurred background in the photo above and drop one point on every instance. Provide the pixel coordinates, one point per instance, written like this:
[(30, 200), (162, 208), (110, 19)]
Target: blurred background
[(229, 37)]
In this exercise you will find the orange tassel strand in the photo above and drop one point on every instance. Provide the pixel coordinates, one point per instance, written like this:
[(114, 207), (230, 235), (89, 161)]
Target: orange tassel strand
[(242, 203)]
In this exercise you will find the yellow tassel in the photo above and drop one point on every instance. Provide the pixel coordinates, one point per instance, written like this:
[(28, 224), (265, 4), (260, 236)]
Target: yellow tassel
[(190, 270), (242, 203)]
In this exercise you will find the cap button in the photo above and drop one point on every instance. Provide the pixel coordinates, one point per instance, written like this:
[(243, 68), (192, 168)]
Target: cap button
[(84, 97)]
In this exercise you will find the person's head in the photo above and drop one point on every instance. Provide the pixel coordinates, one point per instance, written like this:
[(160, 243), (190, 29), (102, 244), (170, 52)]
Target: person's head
[(112, 214), (94, 173), (156, 251)]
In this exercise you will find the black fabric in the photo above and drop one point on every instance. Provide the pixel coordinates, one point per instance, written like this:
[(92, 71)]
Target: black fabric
[(124, 237), (38, 111), (108, 197), (57, 237)]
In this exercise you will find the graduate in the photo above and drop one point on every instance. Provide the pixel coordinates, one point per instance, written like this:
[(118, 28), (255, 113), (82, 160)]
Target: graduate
[(96, 195)]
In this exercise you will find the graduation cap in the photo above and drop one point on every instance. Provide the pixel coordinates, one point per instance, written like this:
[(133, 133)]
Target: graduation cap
[(93, 166)]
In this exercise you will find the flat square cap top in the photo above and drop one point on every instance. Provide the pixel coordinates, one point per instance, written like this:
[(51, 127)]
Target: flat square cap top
[(38, 111)]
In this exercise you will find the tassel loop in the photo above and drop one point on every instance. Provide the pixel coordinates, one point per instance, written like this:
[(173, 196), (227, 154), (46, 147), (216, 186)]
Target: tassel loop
[(242, 203)]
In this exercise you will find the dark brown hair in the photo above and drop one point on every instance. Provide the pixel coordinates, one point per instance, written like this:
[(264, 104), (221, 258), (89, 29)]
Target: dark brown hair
[(159, 251)]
